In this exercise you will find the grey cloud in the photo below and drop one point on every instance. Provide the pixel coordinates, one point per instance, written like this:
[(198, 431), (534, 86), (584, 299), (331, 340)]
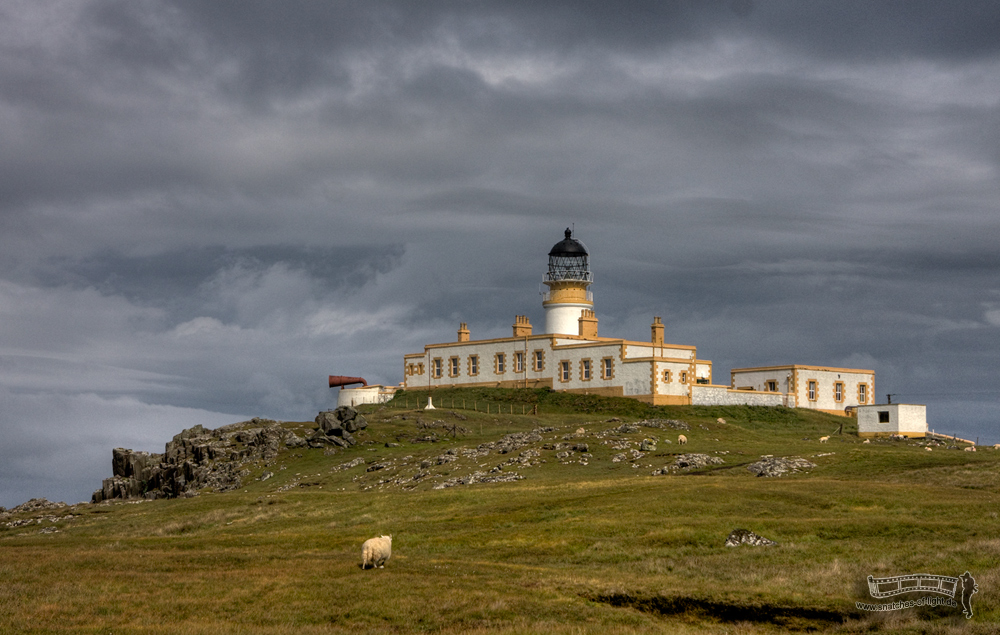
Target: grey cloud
[(853, 29), (176, 274)]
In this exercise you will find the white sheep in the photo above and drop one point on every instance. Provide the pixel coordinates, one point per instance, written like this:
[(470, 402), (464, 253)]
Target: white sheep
[(681, 439), (928, 449), (376, 551), (866, 441), (971, 448), (720, 420), (824, 439), (996, 446)]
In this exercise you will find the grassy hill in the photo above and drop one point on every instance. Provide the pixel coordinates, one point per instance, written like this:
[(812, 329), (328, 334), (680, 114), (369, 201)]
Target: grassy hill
[(580, 543)]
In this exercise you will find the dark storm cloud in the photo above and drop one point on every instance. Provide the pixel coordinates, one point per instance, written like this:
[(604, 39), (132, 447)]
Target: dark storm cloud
[(849, 29), (178, 274)]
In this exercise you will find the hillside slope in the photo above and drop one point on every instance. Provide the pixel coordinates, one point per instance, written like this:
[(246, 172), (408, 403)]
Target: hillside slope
[(505, 522)]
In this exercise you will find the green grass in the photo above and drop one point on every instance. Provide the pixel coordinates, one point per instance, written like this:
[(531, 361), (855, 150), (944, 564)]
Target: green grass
[(571, 548)]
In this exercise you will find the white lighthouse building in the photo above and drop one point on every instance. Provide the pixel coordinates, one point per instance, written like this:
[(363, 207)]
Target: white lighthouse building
[(571, 356), (568, 298)]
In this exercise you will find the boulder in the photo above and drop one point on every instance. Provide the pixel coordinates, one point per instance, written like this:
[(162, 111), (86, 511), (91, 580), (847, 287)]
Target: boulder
[(689, 462), (746, 537), (343, 418), (770, 466)]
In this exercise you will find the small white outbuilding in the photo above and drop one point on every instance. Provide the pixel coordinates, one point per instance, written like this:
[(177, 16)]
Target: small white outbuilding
[(883, 420), (375, 394)]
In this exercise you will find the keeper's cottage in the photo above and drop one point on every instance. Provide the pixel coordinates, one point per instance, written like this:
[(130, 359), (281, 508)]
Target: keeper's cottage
[(569, 355)]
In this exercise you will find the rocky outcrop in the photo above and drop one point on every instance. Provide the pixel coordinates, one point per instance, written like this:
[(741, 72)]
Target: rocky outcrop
[(769, 466), (195, 459), (746, 537), (689, 462), (33, 505), (480, 477), (219, 460), (664, 423), (336, 427)]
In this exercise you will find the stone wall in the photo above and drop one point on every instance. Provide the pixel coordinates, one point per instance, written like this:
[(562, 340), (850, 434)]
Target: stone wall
[(702, 395)]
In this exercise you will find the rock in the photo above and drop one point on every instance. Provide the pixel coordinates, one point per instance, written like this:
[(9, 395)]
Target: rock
[(480, 477), (626, 428), (647, 445), (328, 422), (513, 442), (746, 537), (194, 459), (674, 424), (689, 462), (770, 466), (35, 505), (581, 447)]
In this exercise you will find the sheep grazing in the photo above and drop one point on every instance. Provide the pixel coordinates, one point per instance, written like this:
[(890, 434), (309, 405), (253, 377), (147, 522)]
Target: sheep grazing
[(996, 446), (928, 449), (376, 551), (681, 439), (720, 420), (867, 441), (824, 439)]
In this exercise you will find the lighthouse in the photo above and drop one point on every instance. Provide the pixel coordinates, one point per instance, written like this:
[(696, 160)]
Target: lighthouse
[(568, 301)]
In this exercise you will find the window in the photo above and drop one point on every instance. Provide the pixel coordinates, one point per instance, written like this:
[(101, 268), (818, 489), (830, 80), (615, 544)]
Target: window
[(518, 362), (585, 370), (453, 367), (538, 359), (883, 416), (812, 390), (500, 364), (684, 377), (862, 393), (564, 371), (607, 368), (473, 364), (436, 368), (666, 377), (838, 391), (772, 385)]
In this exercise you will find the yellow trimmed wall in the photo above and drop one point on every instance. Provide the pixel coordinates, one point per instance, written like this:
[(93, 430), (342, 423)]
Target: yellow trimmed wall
[(567, 292)]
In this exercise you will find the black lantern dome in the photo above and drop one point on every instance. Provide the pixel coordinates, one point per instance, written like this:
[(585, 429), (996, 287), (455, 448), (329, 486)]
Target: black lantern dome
[(569, 260)]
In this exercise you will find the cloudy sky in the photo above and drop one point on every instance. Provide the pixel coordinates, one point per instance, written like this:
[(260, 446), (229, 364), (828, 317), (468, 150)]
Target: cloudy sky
[(208, 207)]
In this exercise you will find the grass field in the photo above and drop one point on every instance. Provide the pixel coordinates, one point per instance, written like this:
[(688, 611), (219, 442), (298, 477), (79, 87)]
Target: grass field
[(580, 544)]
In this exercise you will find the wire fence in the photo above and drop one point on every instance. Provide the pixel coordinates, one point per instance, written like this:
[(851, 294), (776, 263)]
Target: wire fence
[(458, 403)]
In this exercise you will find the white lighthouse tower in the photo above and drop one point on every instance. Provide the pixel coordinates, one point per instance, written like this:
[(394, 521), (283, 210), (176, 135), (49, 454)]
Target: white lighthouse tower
[(568, 302)]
